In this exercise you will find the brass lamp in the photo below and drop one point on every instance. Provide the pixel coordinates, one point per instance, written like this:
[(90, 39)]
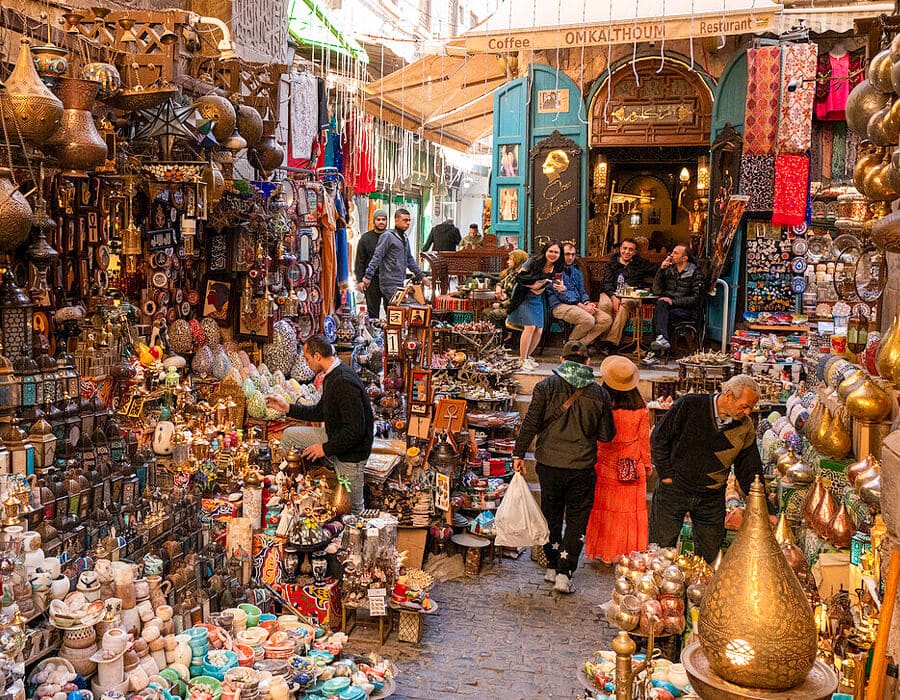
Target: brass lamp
[(20, 449), (16, 313), (44, 442)]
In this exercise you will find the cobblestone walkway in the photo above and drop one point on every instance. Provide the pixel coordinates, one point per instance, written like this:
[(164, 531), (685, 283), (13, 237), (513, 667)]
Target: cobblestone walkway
[(503, 635)]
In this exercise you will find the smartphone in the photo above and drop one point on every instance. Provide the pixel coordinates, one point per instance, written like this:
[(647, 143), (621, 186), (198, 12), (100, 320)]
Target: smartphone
[(557, 277)]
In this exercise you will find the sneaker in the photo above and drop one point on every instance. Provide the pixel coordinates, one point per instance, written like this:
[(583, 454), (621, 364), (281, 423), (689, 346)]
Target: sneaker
[(550, 576), (661, 343), (529, 363), (650, 360), (563, 584)]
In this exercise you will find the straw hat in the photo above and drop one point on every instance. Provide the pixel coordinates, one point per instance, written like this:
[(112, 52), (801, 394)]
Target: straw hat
[(619, 373)]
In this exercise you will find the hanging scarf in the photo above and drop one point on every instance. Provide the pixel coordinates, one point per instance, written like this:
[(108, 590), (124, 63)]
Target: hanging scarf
[(798, 90), (758, 181), (791, 190), (839, 151), (761, 118)]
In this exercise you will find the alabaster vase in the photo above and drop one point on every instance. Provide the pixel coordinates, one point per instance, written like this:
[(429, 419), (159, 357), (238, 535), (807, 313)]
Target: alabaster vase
[(756, 627)]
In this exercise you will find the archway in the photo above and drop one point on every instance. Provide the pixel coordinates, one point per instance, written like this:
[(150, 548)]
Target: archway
[(649, 121)]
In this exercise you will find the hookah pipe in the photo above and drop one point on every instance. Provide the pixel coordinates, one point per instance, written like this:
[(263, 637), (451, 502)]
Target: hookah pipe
[(626, 673)]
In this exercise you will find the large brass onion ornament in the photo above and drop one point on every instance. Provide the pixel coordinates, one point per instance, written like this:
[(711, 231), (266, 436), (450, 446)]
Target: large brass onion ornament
[(29, 108), (879, 73), (756, 627), (863, 164), (884, 126), (864, 100)]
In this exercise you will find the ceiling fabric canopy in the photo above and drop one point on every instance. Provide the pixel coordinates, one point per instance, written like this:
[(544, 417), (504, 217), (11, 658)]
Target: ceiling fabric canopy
[(517, 26), (834, 18), (447, 99)]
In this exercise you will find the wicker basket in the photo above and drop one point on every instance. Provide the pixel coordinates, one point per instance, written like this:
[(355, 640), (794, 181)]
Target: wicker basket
[(410, 626)]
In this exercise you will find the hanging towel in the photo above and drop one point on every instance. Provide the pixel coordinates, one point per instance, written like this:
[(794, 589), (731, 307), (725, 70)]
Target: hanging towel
[(304, 115)]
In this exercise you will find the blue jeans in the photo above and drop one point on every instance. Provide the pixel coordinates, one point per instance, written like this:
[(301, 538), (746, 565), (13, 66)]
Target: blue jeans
[(665, 315), (302, 437), (672, 502)]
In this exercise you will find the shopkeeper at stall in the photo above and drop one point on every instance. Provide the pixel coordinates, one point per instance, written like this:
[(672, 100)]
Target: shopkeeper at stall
[(693, 448), (345, 441)]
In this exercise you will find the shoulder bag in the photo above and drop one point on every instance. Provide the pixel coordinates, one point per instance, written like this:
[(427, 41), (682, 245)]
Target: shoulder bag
[(567, 404)]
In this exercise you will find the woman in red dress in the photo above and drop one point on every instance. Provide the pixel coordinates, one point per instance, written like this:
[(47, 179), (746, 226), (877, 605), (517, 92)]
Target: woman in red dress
[(618, 522)]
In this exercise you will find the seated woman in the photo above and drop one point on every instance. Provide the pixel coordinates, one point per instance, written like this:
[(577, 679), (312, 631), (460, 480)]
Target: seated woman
[(503, 292)]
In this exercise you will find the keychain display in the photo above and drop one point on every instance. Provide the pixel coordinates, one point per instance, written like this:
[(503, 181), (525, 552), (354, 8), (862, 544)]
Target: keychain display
[(770, 273)]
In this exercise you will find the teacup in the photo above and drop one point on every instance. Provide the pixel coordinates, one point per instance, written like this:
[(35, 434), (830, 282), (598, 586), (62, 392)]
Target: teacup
[(52, 566), (60, 587), (40, 581)]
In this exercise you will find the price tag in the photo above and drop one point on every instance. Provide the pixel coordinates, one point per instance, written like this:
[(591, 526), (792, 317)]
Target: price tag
[(377, 602)]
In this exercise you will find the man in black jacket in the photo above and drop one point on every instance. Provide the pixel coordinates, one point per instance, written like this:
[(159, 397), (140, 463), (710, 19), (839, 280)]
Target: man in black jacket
[(444, 237), (634, 271), (365, 249), (693, 447), (566, 452), (346, 439), (679, 285)]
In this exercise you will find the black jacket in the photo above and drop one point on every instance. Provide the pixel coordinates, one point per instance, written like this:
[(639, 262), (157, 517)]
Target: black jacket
[(688, 447), (570, 442), (683, 288), (347, 414), (637, 273), (445, 237), (365, 249)]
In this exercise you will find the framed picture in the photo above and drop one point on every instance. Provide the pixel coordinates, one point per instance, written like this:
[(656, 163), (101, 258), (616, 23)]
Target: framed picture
[(419, 426), (217, 250), (93, 227), (442, 492), (419, 409), (202, 210), (419, 316), (450, 415), (392, 343), (509, 160), (396, 315), (731, 220), (509, 203), (217, 300), (553, 101), (420, 386), (255, 326)]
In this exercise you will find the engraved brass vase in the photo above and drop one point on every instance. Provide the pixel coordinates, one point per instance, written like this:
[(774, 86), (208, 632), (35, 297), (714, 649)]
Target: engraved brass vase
[(77, 144), (15, 214), (249, 124), (756, 627)]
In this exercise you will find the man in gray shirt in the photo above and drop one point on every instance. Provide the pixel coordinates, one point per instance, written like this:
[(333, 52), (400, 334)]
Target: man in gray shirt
[(392, 258)]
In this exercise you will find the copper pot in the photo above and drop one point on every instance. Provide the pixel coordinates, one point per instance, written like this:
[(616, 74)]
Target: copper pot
[(877, 184), (864, 100), (870, 491), (879, 73), (249, 124), (77, 144), (813, 498), (823, 514), (794, 556), (800, 473), (888, 355), (884, 126), (895, 76), (268, 154), (841, 528), (28, 103), (851, 382)]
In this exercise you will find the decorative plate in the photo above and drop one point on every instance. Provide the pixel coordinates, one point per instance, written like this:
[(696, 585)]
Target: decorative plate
[(846, 242), (800, 246), (818, 247), (799, 229), (329, 328), (798, 285), (798, 265)]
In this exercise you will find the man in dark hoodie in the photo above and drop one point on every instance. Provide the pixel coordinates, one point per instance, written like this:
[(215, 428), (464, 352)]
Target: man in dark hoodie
[(679, 285), (569, 413), (444, 237), (624, 268), (365, 249)]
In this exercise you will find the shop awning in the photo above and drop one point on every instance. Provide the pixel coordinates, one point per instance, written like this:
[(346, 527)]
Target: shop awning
[(310, 24), (835, 18), (518, 25), (448, 99)]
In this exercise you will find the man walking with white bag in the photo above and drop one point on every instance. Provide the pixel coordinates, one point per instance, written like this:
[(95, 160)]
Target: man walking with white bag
[(569, 413)]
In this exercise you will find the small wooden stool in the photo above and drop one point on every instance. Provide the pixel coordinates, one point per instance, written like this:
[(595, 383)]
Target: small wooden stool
[(349, 620)]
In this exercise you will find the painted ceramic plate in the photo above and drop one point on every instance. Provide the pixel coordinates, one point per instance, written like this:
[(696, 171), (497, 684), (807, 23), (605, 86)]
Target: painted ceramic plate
[(800, 246), (798, 285), (329, 328), (798, 265), (818, 247)]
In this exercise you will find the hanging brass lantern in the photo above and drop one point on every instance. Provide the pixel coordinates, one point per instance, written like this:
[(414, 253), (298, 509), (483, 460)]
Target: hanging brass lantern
[(31, 111), (755, 626), (864, 100), (268, 154), (219, 110), (215, 182), (15, 213), (249, 124)]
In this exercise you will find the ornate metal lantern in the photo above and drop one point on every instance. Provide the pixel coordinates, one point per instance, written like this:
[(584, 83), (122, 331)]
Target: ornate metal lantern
[(44, 442), (16, 314)]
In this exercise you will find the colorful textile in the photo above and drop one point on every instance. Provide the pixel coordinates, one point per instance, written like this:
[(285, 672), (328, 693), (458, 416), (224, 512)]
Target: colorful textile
[(815, 153), (826, 144), (836, 76), (798, 88), (791, 189), (839, 151), (852, 151), (761, 120), (758, 181)]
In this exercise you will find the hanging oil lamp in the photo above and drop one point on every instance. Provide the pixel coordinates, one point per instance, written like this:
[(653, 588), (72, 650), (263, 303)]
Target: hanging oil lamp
[(41, 253), (29, 109), (77, 144)]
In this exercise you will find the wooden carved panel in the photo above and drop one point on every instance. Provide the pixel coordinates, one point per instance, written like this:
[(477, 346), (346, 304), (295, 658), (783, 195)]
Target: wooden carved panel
[(670, 108), (257, 82)]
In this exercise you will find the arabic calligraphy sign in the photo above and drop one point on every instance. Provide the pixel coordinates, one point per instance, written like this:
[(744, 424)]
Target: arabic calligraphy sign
[(556, 190), (673, 107)]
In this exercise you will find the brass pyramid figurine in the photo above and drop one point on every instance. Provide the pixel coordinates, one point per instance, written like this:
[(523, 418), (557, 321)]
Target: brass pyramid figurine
[(756, 627)]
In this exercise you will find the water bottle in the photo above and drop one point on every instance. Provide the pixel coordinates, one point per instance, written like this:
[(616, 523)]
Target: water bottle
[(620, 285)]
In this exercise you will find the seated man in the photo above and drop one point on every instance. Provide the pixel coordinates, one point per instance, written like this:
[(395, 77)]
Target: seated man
[(634, 271), (679, 285), (571, 303)]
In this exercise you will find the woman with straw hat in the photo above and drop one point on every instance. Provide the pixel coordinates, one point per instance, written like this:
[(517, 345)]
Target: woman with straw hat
[(618, 522)]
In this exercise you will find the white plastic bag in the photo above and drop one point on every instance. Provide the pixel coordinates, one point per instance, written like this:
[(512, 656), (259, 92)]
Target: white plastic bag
[(519, 521)]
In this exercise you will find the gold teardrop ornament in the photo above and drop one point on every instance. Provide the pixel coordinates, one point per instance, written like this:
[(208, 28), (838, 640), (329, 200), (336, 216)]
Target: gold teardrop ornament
[(756, 627)]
